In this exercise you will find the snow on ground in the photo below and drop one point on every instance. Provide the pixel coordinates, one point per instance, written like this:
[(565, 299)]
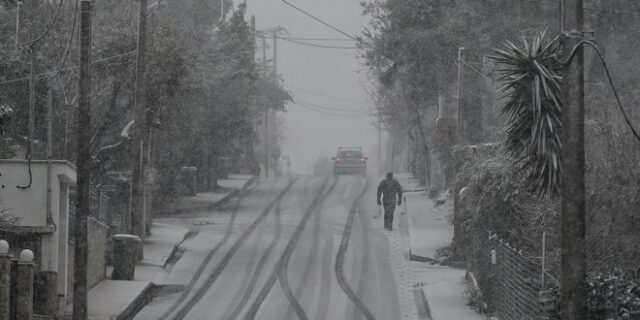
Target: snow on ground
[(444, 288), (429, 229), (159, 245), (235, 181), (402, 273), (430, 226), (110, 298)]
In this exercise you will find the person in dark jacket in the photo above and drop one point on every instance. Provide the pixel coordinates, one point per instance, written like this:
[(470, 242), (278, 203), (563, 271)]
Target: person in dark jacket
[(391, 193)]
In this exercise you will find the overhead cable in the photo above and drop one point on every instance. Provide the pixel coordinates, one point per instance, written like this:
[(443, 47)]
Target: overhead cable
[(318, 45), (321, 21), (48, 28), (47, 74)]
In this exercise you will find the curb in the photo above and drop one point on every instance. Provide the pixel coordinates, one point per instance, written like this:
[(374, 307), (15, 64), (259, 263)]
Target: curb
[(213, 205), (222, 201), (138, 303), (424, 312)]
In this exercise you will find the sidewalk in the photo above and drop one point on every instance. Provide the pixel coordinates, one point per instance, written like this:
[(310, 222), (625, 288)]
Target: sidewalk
[(209, 200), (121, 300), (430, 229), (112, 299)]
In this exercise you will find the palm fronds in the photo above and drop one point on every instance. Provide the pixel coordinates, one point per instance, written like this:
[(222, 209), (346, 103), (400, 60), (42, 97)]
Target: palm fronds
[(531, 75)]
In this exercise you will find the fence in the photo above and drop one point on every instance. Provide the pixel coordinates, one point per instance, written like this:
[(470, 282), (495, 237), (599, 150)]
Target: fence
[(99, 208), (513, 286), (17, 284)]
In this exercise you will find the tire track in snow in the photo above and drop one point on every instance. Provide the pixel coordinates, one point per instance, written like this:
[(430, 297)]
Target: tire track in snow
[(258, 270), (184, 310), (339, 266), (286, 255), (207, 259)]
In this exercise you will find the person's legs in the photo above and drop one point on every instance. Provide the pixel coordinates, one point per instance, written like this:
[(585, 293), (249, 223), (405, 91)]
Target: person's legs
[(388, 215)]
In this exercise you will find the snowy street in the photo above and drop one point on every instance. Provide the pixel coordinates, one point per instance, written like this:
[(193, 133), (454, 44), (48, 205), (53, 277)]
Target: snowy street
[(305, 248)]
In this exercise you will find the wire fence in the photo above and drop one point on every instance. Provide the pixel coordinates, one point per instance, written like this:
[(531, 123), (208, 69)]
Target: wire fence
[(99, 208), (513, 286)]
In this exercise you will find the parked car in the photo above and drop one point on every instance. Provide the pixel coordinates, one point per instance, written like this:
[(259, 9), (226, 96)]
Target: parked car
[(350, 160)]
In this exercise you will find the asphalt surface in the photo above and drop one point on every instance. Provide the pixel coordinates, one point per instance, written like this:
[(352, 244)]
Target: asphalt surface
[(301, 248)]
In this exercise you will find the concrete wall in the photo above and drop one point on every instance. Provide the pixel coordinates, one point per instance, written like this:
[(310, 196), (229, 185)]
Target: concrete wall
[(97, 266), (30, 204)]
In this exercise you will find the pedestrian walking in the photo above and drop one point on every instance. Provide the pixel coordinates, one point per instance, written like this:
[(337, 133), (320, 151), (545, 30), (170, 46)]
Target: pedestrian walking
[(391, 192)]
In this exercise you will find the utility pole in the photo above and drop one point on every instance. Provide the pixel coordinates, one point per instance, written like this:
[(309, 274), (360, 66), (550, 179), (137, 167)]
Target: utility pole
[(138, 142), (573, 284), (274, 117), (19, 7), (275, 57), (32, 99), (84, 166), (379, 145), (460, 138), (253, 33), (266, 112), (221, 10)]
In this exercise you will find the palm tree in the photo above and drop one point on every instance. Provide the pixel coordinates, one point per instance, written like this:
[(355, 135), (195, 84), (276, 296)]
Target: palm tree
[(530, 70)]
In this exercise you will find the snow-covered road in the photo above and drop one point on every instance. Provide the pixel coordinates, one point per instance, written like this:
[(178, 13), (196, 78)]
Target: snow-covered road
[(305, 248)]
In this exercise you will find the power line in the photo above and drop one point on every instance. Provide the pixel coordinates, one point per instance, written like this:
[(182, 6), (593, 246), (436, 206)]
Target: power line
[(47, 28), (316, 39), (323, 95), (68, 48), (321, 21), (330, 109), (308, 107), (48, 74), (556, 4), (613, 87), (318, 45)]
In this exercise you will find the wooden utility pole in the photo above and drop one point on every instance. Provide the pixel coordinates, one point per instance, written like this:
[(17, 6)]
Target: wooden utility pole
[(138, 142), (18, 9), (573, 284), (84, 166), (266, 111), (460, 138), (253, 34), (32, 100)]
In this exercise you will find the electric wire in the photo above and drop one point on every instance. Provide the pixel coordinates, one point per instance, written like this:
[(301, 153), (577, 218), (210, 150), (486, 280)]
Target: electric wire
[(330, 113), (295, 88), (331, 109), (68, 49), (320, 20), (613, 87), (47, 28), (46, 74), (318, 45)]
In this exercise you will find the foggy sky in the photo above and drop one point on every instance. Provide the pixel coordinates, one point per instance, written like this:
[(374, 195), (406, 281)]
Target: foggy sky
[(309, 73)]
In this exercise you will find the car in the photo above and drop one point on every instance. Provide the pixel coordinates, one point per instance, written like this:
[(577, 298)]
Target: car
[(350, 160)]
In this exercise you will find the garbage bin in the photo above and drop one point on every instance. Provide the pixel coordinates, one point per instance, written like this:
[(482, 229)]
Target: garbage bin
[(188, 181), (125, 256)]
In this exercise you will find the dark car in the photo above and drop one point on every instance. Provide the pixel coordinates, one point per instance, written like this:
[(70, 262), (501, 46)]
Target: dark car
[(350, 160)]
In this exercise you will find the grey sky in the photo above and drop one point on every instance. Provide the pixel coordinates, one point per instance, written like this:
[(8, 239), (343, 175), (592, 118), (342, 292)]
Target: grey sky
[(309, 73)]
